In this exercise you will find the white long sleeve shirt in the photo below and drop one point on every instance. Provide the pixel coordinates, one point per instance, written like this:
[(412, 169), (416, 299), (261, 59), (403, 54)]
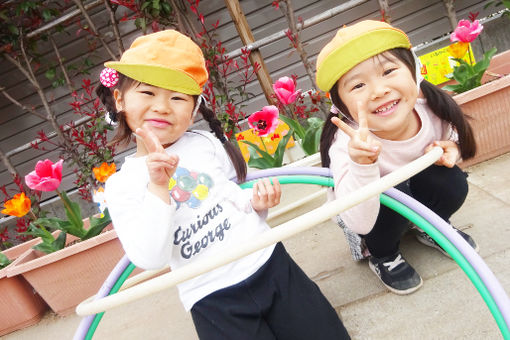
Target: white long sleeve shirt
[(349, 176), (208, 213)]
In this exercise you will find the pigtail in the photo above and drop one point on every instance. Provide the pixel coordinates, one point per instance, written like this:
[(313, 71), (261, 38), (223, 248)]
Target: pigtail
[(123, 134), (327, 136), (106, 97), (233, 153), (445, 107), (329, 129)]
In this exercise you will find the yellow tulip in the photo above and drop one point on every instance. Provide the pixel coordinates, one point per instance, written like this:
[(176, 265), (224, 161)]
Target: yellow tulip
[(458, 49)]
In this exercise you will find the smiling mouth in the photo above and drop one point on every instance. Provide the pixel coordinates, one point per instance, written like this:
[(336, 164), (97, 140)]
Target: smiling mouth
[(158, 123), (387, 109)]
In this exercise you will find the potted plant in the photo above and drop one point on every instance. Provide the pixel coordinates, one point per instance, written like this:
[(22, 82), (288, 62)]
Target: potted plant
[(20, 305), (483, 93), (70, 264), (297, 122)]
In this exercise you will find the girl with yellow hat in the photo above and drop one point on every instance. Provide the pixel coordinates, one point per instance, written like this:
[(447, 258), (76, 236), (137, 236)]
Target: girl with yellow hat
[(173, 201), (384, 116)]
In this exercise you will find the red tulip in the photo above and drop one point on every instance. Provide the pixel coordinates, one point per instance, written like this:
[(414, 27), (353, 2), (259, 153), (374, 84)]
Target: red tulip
[(264, 122), (46, 176), (466, 31), (285, 90)]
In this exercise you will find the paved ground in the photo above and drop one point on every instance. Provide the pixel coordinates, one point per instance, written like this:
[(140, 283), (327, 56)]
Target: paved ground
[(446, 307)]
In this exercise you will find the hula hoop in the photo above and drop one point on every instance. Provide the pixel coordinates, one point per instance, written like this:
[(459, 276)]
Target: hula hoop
[(284, 231), (501, 302)]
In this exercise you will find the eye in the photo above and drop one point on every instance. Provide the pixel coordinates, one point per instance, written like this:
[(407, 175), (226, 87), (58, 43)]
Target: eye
[(149, 93), (357, 86), (177, 98), (388, 71)]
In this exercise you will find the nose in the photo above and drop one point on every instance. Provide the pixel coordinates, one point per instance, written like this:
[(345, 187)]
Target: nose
[(379, 89), (161, 104)]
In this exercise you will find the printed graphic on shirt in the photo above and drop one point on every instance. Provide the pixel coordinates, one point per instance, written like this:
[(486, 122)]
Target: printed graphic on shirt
[(189, 187), (215, 225)]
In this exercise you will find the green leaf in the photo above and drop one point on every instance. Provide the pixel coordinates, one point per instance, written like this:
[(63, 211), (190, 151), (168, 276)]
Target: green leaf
[(46, 14), (258, 150), (4, 261), (298, 129), (13, 29), (50, 247), (73, 213), (50, 73), (280, 150), (310, 144), (258, 162), (97, 225)]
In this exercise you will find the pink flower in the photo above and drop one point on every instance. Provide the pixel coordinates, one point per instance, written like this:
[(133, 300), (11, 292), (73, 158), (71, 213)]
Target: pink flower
[(264, 122), (46, 176), (285, 90), (466, 31)]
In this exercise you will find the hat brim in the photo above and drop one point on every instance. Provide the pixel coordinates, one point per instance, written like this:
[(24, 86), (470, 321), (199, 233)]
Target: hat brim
[(160, 76), (364, 46)]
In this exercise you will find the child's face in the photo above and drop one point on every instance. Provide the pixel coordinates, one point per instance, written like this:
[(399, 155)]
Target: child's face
[(165, 112), (386, 89)]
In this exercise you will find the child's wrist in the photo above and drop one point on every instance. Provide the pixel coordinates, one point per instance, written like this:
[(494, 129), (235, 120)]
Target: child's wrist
[(160, 191)]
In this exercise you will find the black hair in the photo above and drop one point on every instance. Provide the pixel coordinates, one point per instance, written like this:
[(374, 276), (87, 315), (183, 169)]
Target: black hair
[(440, 102), (124, 134)]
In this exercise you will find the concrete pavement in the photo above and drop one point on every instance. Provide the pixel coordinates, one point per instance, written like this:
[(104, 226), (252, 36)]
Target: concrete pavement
[(448, 306)]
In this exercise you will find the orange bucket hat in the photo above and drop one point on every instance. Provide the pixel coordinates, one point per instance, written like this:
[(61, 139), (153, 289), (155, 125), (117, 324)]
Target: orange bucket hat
[(167, 59), (353, 44)]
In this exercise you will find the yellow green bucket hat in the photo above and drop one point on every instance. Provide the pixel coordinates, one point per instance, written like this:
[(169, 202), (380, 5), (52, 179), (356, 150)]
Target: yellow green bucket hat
[(354, 44), (167, 59)]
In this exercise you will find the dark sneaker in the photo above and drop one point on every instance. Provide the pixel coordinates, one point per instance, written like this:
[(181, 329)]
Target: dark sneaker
[(424, 238), (396, 274)]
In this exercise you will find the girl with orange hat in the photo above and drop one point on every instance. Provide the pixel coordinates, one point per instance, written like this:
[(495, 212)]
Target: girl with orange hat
[(384, 116), (173, 201)]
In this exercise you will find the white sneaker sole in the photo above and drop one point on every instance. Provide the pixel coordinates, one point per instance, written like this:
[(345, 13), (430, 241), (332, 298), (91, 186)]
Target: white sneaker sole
[(393, 290), (436, 246)]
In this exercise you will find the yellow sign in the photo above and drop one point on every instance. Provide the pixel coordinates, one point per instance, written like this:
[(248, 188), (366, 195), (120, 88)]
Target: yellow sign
[(270, 141), (437, 64)]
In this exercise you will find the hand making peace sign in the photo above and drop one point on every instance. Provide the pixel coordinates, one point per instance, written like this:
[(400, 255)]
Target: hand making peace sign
[(363, 148), (161, 165)]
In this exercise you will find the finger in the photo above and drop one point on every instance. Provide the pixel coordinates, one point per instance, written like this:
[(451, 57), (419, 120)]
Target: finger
[(369, 145), (150, 140), (277, 191), (343, 126), (429, 148), (269, 189), (445, 143), (362, 121)]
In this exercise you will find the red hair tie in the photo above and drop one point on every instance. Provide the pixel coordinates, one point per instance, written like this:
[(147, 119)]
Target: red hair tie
[(109, 77)]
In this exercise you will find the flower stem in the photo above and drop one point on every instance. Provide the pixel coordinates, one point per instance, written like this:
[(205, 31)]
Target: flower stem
[(32, 215), (263, 144), (469, 54), (66, 205)]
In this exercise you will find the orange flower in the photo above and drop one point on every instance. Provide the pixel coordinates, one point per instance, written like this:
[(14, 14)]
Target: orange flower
[(18, 206), (104, 171), (458, 49)]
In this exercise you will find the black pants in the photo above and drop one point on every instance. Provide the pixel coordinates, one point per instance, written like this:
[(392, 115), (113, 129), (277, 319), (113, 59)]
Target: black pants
[(441, 189), (277, 302)]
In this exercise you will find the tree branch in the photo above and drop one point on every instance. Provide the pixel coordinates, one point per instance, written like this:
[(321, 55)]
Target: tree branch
[(115, 25), (22, 106), (60, 62), (94, 29), (450, 10), (289, 14)]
